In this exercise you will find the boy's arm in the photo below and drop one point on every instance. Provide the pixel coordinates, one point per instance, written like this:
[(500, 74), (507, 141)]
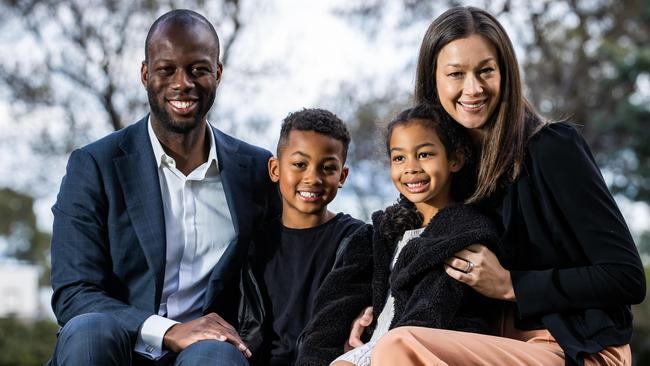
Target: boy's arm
[(344, 293)]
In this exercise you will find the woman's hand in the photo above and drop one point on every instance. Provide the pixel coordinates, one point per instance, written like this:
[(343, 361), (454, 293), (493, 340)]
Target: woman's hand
[(479, 268)]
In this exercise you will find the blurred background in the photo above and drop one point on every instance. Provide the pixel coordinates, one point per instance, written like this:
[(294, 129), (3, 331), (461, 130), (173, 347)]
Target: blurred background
[(69, 74)]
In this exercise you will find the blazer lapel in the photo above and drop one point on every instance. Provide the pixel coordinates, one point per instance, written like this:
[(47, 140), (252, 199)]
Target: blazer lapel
[(138, 177), (236, 175)]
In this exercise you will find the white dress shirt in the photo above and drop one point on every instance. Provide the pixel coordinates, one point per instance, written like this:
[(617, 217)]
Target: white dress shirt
[(198, 229)]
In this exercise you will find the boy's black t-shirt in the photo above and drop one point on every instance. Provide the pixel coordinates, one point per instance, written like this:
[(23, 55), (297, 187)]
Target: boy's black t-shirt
[(292, 264)]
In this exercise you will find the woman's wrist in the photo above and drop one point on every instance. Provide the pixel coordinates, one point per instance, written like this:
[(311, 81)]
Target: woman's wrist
[(509, 294)]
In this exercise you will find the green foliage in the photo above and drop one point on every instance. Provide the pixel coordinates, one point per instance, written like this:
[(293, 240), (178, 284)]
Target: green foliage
[(641, 337), (583, 60), (26, 343), (643, 244), (586, 64), (18, 226)]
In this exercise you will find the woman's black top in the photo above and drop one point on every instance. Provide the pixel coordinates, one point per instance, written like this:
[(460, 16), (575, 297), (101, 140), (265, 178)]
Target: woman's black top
[(574, 266)]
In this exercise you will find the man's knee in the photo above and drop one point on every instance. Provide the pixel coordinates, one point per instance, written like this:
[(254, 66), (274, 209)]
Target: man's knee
[(98, 326), (90, 337), (210, 353)]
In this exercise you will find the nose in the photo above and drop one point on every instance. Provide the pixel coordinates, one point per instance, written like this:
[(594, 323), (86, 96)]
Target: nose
[(182, 80), (313, 177), (472, 85), (412, 166)]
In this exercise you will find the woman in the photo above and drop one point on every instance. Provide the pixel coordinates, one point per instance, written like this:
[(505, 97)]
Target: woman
[(569, 268)]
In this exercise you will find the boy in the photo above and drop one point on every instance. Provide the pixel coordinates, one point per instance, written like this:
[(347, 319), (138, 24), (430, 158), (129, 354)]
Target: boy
[(298, 250)]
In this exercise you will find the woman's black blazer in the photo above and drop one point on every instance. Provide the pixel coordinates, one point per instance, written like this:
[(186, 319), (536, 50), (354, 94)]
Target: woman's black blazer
[(574, 266)]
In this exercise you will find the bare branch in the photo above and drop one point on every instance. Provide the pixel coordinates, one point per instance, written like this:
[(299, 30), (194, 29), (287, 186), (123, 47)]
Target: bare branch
[(233, 8)]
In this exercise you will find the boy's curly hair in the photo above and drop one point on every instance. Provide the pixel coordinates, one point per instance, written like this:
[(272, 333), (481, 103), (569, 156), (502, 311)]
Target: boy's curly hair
[(317, 120)]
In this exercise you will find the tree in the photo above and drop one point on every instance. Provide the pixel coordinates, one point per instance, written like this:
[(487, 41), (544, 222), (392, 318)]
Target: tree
[(26, 343), (365, 115), (74, 75), (588, 61), (25, 241), (81, 51)]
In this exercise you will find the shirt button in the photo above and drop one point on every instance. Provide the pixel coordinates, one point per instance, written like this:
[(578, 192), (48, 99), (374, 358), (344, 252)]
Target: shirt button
[(150, 349)]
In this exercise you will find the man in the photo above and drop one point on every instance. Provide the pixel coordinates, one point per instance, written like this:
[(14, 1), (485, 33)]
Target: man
[(152, 223)]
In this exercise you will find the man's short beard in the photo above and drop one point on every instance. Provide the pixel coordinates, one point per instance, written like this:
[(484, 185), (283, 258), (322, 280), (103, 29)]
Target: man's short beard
[(170, 124)]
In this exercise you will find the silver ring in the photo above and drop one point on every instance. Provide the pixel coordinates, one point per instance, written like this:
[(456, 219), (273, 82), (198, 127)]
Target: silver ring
[(469, 268)]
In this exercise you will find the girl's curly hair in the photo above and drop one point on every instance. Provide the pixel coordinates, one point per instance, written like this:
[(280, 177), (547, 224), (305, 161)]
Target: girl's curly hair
[(455, 138)]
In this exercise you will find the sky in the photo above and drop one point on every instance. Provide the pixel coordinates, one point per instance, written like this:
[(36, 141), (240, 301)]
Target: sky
[(301, 53)]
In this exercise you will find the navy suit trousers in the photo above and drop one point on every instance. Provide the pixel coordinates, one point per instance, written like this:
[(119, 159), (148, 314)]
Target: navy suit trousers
[(97, 339)]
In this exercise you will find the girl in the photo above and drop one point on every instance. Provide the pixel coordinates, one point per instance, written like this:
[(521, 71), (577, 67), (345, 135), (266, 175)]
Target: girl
[(568, 268), (396, 265)]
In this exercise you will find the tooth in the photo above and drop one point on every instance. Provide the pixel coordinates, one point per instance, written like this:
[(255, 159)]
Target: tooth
[(181, 104), (474, 105)]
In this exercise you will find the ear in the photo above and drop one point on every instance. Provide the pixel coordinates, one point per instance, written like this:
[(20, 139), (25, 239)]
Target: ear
[(456, 162), (274, 169), (344, 175), (219, 72), (144, 73)]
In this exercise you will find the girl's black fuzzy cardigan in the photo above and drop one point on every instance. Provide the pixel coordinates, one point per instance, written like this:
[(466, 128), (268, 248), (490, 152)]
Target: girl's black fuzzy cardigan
[(424, 294)]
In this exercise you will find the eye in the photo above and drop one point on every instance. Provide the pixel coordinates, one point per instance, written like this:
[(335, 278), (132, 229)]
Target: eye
[(425, 154), (455, 75), (397, 159), (164, 70), (330, 168), (486, 70), (200, 70), (299, 164)]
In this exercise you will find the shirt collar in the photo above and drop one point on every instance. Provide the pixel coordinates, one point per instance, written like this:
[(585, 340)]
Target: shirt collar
[(161, 156)]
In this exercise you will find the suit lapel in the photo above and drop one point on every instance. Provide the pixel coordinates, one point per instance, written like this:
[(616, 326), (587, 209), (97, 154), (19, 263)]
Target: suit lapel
[(138, 177), (235, 171)]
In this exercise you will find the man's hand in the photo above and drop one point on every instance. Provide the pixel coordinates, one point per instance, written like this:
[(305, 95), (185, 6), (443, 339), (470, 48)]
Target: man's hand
[(211, 326), (360, 323)]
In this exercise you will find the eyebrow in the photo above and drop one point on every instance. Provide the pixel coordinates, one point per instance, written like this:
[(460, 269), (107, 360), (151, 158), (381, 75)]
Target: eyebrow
[(418, 147), (172, 61), (301, 154), (332, 157), (482, 62)]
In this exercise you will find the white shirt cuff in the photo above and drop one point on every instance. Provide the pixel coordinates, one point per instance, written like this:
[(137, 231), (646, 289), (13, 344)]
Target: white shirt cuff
[(150, 337)]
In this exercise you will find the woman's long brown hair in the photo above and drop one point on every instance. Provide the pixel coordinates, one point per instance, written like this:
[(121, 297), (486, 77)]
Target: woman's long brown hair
[(513, 121)]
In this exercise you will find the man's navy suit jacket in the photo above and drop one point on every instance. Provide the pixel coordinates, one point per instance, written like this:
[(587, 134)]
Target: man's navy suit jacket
[(108, 240)]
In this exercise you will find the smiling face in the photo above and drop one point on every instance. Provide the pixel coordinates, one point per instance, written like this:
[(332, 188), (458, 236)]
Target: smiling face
[(181, 75), (468, 80), (420, 167), (309, 171)]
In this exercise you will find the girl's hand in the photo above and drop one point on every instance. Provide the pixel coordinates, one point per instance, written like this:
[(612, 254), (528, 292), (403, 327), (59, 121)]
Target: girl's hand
[(358, 326), (479, 268)]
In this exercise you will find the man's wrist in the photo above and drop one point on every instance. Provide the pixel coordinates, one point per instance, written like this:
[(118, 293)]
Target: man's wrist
[(168, 340), (151, 334)]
